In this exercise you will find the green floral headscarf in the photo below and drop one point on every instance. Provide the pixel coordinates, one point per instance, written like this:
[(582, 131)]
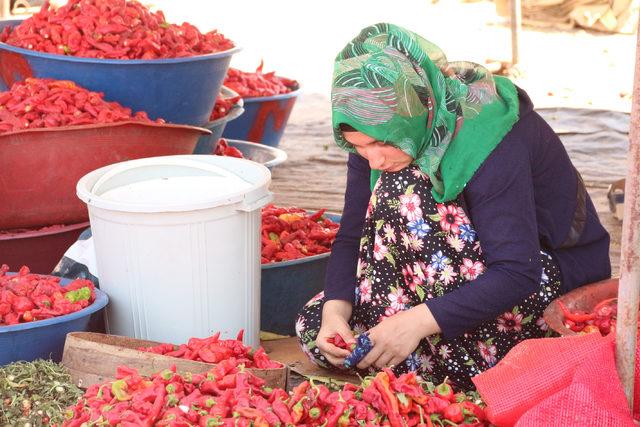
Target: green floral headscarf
[(399, 88)]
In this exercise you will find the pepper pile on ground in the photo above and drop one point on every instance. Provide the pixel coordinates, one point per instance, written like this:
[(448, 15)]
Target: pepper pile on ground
[(46, 103), (222, 106), (215, 350), (292, 233), (112, 29), (601, 319), (224, 149), (229, 396), (258, 84), (27, 297), (35, 393)]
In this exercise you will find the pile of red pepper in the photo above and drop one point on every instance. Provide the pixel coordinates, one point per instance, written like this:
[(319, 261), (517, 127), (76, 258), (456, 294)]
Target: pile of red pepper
[(112, 29), (224, 149), (258, 84), (215, 350), (292, 233), (601, 319), (229, 396), (223, 106), (27, 297), (46, 103)]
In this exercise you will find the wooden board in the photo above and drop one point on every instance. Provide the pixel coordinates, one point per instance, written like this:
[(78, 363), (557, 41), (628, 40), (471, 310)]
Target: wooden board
[(94, 358), (288, 351)]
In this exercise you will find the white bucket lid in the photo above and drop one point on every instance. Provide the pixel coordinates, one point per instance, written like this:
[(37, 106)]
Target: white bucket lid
[(176, 184)]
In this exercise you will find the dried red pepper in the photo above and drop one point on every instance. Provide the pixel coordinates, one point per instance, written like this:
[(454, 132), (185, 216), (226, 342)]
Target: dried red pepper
[(46, 103), (339, 342), (258, 84), (292, 233), (27, 297), (224, 149), (229, 396), (111, 29), (602, 318), (222, 107), (214, 350)]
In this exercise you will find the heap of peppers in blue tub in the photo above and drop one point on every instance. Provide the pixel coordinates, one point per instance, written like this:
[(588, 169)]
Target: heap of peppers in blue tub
[(27, 297)]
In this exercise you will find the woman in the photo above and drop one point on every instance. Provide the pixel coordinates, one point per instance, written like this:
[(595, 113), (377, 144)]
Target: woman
[(463, 219)]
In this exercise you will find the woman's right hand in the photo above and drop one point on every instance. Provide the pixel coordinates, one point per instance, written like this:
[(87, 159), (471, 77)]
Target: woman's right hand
[(335, 320)]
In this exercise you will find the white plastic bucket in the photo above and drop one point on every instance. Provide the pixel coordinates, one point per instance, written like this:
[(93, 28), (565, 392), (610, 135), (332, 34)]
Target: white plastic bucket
[(177, 243)]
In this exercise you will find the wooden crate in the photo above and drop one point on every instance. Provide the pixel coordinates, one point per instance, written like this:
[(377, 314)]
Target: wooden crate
[(94, 358)]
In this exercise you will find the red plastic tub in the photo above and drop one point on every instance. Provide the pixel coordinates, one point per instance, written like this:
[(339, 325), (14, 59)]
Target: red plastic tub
[(39, 249), (40, 167)]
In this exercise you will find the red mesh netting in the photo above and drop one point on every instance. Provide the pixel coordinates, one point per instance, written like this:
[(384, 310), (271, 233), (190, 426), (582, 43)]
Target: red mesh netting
[(568, 381)]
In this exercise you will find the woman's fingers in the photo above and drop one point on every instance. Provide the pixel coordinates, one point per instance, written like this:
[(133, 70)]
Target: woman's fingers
[(396, 361), (335, 361), (370, 358), (328, 348), (384, 361)]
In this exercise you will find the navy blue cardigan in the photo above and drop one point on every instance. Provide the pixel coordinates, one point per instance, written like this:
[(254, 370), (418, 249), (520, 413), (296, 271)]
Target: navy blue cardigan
[(522, 199)]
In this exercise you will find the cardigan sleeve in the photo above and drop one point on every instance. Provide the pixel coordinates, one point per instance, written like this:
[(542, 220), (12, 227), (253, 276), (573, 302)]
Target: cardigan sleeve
[(340, 282), (500, 202)]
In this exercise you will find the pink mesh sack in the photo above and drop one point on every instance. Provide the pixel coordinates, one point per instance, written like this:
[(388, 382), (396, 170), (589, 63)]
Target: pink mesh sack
[(568, 381)]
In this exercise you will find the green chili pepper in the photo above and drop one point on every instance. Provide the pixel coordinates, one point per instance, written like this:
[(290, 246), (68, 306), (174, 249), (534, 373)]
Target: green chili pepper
[(82, 294), (172, 400), (119, 390)]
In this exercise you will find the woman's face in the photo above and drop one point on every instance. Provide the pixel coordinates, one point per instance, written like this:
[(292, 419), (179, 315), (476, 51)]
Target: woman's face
[(381, 156)]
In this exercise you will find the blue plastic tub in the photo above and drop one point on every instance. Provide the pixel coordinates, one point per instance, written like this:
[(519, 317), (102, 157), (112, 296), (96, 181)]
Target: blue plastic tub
[(208, 143), (179, 90), (45, 338), (264, 119), (287, 286)]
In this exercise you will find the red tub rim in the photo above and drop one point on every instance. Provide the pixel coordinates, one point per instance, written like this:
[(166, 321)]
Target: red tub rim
[(53, 229)]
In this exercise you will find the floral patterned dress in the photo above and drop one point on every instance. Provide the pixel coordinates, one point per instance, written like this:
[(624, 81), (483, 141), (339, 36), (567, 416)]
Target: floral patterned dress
[(413, 249)]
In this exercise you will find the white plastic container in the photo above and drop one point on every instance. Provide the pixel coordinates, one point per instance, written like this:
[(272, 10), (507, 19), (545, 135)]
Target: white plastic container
[(177, 243)]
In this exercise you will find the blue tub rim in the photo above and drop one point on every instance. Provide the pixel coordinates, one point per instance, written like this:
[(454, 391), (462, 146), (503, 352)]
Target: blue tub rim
[(281, 97), (333, 216), (70, 58), (100, 302)]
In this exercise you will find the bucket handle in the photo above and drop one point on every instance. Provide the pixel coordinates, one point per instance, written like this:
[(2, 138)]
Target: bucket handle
[(252, 205)]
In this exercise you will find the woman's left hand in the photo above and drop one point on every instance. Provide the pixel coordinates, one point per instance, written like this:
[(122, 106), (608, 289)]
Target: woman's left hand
[(396, 337)]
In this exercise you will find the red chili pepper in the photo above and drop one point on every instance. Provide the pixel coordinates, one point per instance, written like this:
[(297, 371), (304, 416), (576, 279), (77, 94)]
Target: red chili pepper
[(575, 317), (223, 149), (436, 405), (281, 410), (258, 84), (474, 410), (335, 413), (37, 103), (445, 391), (28, 297), (110, 29), (219, 352), (222, 107), (454, 413), (381, 382), (292, 233), (339, 342)]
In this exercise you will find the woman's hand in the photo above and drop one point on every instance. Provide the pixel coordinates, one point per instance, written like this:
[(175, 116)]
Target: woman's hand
[(335, 320), (396, 337)]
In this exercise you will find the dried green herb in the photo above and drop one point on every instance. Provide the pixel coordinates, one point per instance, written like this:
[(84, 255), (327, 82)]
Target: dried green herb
[(35, 393)]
